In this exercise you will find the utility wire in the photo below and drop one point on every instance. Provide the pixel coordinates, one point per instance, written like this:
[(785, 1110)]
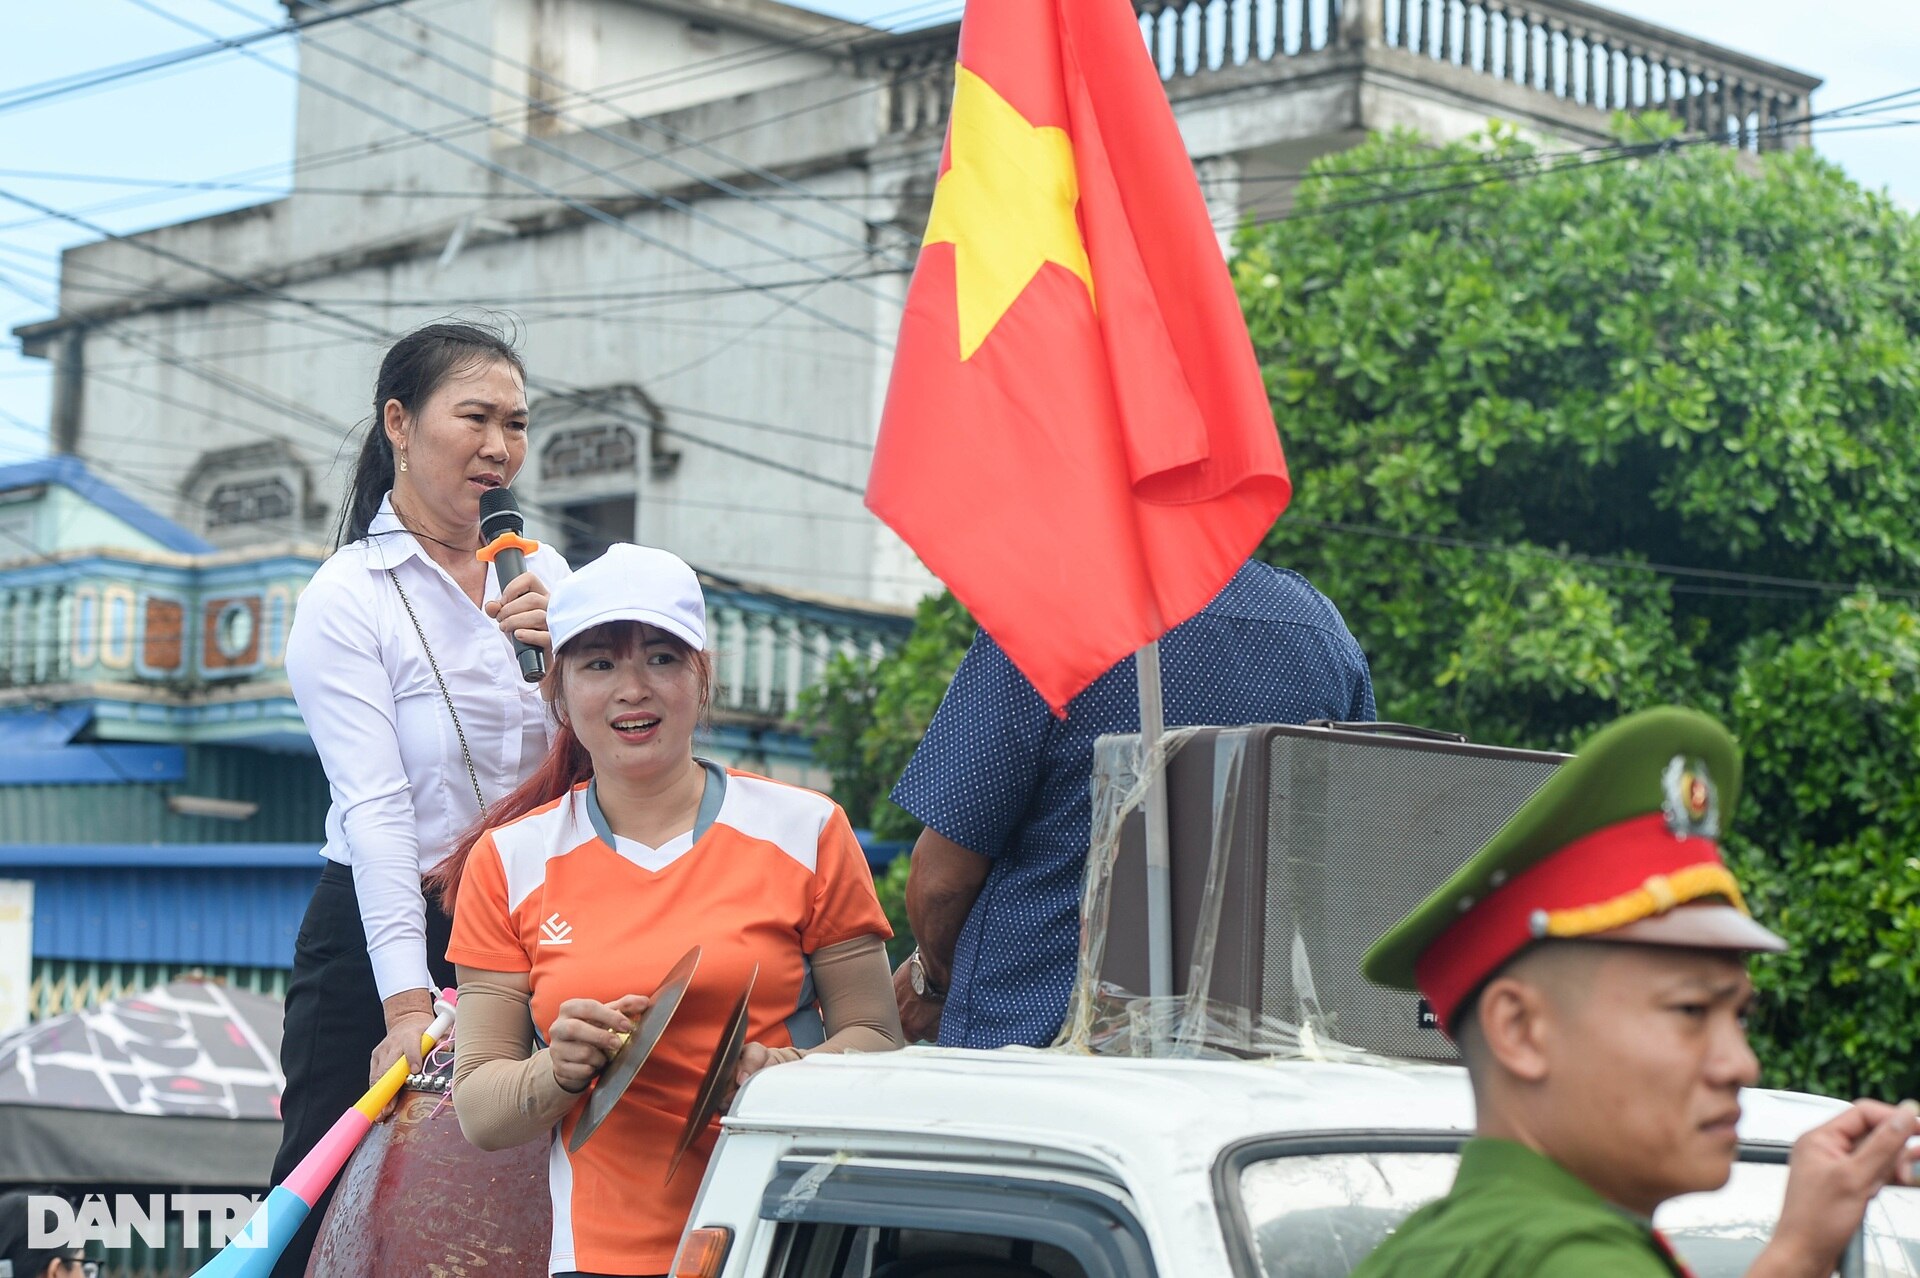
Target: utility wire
[(587, 210), (66, 86), (736, 60), (807, 193), (650, 425), (791, 301), (548, 386), (1614, 563), (590, 98), (1578, 163), (804, 193), (524, 136), (236, 386)]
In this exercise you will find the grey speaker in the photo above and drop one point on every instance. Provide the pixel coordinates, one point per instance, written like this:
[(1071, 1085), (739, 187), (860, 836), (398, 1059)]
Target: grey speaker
[(1331, 835)]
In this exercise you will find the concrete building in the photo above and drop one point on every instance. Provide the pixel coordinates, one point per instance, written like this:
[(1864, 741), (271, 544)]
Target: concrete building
[(701, 215)]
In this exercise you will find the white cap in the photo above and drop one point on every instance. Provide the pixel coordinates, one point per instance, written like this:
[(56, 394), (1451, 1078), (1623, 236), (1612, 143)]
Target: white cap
[(630, 583)]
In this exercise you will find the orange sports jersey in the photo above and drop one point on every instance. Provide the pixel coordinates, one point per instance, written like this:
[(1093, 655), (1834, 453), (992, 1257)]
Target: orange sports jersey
[(587, 914)]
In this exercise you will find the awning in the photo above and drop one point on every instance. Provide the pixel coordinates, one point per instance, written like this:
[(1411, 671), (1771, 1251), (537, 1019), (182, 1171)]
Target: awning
[(37, 747), (209, 904)]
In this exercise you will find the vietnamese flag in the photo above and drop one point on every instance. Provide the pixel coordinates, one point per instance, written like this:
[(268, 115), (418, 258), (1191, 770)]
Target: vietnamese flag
[(1077, 437)]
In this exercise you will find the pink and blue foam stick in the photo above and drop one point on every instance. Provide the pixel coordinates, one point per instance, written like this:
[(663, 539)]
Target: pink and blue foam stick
[(267, 1232)]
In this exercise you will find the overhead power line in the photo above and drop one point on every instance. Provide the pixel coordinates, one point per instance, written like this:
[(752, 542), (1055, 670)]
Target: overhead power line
[(590, 211), (546, 385), (66, 86), (732, 61), (1615, 563), (274, 295), (590, 98), (789, 301), (1516, 169)]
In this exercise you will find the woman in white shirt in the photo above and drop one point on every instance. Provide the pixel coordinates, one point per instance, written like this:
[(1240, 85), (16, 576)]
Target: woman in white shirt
[(401, 661)]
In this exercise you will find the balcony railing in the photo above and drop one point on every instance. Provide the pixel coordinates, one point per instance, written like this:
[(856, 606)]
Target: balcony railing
[(768, 648), (1577, 54), (1585, 55), (33, 636), (99, 625)]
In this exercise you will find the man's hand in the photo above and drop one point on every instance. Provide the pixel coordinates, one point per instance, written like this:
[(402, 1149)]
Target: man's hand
[(919, 1017), (1834, 1172), (408, 1014), (586, 1034), (755, 1057), (942, 885)]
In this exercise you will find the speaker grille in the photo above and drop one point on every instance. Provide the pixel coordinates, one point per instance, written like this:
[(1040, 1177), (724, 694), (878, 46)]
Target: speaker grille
[(1358, 833)]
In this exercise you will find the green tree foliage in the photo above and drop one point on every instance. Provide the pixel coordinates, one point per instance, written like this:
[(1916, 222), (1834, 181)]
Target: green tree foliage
[(1830, 844), (1514, 406), (1678, 358), (869, 715), (1572, 438)]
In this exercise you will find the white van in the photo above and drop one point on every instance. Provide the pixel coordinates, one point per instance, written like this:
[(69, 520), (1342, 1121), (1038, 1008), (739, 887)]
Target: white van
[(932, 1163)]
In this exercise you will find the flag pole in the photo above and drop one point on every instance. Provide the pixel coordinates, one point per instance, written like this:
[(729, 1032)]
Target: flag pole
[(1159, 859)]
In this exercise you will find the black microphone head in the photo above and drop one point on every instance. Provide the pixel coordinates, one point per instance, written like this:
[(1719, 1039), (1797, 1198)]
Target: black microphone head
[(499, 513)]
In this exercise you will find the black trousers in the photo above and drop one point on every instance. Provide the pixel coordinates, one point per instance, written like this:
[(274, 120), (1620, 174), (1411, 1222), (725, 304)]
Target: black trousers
[(333, 1023)]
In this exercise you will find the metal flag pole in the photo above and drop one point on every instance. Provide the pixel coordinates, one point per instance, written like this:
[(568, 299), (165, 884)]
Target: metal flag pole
[(1159, 859)]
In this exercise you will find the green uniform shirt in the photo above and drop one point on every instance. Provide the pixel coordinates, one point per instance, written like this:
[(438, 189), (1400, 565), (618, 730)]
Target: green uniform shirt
[(1513, 1213)]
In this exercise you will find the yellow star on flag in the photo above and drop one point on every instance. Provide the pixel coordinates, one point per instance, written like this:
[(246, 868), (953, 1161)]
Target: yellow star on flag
[(1006, 204)]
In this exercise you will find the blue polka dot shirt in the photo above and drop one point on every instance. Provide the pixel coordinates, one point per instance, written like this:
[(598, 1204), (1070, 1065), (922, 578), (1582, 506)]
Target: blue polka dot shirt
[(999, 775)]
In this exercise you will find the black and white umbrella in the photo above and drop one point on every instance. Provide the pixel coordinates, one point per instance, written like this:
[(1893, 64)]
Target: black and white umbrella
[(177, 1086)]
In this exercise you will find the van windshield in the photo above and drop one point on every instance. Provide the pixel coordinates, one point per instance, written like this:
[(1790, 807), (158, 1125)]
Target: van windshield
[(1319, 1215)]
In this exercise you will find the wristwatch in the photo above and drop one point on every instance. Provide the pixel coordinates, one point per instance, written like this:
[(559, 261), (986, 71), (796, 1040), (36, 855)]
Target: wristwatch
[(923, 986)]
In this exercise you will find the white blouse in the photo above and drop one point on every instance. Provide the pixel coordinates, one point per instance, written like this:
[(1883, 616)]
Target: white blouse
[(401, 794)]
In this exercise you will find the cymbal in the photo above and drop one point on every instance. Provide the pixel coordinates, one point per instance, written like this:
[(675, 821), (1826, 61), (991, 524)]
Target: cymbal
[(626, 1062), (718, 1081)]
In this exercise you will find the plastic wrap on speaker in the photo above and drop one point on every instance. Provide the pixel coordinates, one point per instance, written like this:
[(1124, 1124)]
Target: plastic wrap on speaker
[(1292, 848), (1108, 1018)]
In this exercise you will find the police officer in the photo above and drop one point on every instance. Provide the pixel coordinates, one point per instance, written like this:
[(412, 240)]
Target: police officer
[(1590, 964)]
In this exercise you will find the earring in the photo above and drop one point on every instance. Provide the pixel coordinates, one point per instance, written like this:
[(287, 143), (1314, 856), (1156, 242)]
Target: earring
[(403, 463)]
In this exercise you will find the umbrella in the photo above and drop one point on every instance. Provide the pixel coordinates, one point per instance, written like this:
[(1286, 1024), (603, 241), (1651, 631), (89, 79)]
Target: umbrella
[(179, 1085)]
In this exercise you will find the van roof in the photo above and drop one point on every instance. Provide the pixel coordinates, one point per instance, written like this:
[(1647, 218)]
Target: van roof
[(1150, 1107)]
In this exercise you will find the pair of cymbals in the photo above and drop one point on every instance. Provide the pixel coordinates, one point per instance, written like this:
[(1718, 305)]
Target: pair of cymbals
[(626, 1062)]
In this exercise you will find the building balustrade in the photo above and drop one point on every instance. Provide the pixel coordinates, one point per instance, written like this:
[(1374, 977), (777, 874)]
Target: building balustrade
[(764, 660), (163, 627), (1578, 54), (33, 636)]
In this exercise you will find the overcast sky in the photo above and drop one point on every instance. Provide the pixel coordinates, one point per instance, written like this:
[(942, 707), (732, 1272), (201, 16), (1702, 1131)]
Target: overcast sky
[(221, 116)]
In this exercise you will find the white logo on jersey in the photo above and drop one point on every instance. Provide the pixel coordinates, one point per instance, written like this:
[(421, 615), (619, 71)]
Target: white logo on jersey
[(556, 931)]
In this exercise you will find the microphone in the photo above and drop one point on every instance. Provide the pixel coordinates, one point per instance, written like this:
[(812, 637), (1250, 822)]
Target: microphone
[(507, 551)]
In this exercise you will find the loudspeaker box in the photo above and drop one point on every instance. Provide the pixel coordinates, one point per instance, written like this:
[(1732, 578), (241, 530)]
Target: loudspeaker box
[(1332, 834)]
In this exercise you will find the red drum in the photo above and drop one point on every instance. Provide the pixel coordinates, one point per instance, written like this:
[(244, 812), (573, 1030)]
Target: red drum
[(417, 1199)]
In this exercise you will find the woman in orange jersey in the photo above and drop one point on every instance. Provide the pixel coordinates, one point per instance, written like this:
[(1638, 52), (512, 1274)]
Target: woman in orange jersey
[(622, 852)]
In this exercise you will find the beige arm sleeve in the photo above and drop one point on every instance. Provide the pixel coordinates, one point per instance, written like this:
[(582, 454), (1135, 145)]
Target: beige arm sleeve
[(504, 1092), (856, 1000)]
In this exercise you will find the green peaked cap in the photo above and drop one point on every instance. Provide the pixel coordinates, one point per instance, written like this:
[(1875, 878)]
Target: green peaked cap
[(1619, 773)]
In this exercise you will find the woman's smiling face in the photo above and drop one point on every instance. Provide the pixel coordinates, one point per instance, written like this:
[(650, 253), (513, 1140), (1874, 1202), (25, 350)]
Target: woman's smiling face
[(633, 696)]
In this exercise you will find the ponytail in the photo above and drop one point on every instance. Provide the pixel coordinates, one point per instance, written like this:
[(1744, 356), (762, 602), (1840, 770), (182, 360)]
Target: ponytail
[(567, 764)]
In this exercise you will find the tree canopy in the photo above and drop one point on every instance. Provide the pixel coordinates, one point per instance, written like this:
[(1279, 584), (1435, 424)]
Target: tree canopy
[(1572, 437)]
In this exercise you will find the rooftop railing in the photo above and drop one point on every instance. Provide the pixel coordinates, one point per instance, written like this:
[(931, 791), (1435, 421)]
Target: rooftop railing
[(1580, 55), (764, 659)]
